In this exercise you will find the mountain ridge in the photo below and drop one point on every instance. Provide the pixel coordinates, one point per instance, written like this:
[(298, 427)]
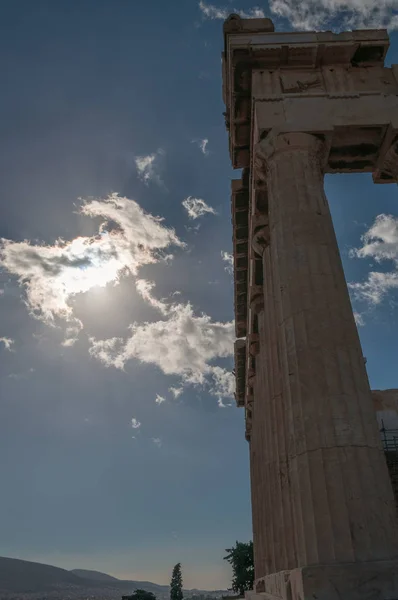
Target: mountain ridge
[(30, 578)]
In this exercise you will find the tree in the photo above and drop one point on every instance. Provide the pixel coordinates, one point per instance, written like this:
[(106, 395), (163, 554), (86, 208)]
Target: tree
[(240, 557), (176, 583), (140, 595)]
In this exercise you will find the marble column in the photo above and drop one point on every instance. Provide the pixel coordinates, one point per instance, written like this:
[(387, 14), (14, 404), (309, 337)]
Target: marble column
[(338, 506), (274, 548)]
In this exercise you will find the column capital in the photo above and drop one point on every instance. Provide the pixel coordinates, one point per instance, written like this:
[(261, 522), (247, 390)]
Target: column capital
[(387, 168), (277, 143)]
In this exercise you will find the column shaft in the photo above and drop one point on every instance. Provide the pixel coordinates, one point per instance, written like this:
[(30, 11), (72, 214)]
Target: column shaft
[(321, 425)]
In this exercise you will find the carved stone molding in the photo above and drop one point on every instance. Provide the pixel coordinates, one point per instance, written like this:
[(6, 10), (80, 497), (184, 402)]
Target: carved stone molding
[(248, 432), (251, 377), (256, 299), (260, 234), (249, 422), (254, 344)]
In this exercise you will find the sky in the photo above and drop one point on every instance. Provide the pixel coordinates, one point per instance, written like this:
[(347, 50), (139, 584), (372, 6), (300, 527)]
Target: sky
[(121, 449)]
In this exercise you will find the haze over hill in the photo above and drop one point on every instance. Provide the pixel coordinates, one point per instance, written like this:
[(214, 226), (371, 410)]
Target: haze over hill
[(36, 581), (93, 575)]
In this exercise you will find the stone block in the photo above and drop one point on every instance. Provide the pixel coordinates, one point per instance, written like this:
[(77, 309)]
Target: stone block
[(355, 581)]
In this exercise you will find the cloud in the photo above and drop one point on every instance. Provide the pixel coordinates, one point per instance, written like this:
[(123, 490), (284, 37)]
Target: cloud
[(159, 399), (223, 384), (176, 391), (135, 424), (320, 14), (359, 320), (338, 14), (202, 145), (52, 275), (158, 442), (144, 288), (196, 207), (8, 343), (374, 290), (182, 344), (148, 167), (22, 375), (229, 261), (210, 11), (379, 243)]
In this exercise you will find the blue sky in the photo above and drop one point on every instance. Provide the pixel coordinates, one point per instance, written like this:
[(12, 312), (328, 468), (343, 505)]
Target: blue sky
[(120, 449)]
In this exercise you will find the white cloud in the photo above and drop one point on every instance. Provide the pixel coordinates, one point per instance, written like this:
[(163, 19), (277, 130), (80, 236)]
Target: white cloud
[(377, 286), (320, 14), (379, 243), (176, 391), (144, 288), (359, 320), (135, 424), (157, 442), (52, 275), (202, 143), (159, 399), (338, 14), (229, 261), (210, 11), (196, 207), (182, 344), (1, 292), (148, 167), (203, 146), (223, 384), (8, 343)]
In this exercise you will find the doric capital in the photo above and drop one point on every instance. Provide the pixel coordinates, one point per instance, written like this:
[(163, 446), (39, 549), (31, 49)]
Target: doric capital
[(275, 144)]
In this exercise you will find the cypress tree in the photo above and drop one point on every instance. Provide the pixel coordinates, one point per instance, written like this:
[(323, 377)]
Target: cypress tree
[(176, 583)]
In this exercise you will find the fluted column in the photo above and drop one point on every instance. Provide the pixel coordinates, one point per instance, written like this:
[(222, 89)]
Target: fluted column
[(342, 507), (274, 548)]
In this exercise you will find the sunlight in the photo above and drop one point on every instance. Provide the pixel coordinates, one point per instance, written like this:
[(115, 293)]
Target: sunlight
[(91, 265)]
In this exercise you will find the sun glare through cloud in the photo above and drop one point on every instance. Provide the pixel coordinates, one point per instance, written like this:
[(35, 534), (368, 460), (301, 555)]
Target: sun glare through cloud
[(52, 275), (183, 343)]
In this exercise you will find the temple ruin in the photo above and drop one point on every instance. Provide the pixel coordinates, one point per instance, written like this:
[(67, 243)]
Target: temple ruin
[(299, 105)]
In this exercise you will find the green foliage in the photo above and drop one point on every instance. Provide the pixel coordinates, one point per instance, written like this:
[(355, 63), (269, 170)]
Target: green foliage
[(176, 583), (240, 557), (140, 595)]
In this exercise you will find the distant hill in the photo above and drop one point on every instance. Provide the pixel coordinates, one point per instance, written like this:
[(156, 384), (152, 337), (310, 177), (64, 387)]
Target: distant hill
[(97, 576), (94, 575), (24, 576)]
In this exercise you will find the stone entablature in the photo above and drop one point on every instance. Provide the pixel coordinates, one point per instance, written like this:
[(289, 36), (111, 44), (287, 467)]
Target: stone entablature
[(240, 372), (266, 66), (240, 241), (334, 86)]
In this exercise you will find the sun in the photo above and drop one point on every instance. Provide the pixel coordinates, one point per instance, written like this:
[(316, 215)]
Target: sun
[(90, 266)]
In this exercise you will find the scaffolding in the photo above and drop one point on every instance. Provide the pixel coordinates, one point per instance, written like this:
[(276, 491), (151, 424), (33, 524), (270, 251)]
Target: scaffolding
[(390, 446)]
